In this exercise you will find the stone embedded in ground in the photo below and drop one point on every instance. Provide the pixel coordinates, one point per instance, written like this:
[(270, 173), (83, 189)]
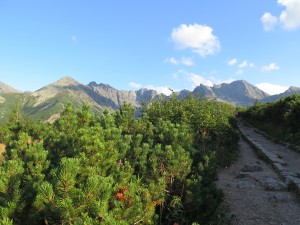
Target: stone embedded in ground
[(279, 197), (243, 175), (252, 167), (279, 167), (272, 184), (245, 184), (292, 180)]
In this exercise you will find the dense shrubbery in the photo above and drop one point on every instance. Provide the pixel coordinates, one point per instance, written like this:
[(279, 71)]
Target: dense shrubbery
[(280, 119), (157, 169)]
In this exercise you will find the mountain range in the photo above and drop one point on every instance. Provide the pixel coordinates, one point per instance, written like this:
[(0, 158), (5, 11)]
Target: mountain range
[(47, 102)]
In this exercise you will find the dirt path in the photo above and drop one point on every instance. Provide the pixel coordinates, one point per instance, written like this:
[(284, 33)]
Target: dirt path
[(254, 191)]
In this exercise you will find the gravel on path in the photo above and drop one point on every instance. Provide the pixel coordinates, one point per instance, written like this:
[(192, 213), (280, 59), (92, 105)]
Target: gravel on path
[(255, 193)]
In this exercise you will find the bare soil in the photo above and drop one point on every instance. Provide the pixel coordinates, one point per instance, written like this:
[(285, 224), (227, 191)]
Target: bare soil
[(2, 149), (258, 196)]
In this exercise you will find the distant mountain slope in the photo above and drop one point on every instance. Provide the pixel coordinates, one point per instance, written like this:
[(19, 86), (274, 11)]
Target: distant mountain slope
[(238, 92), (51, 99), (290, 91), (9, 98), (48, 101), (204, 91), (4, 88), (8, 102), (114, 98)]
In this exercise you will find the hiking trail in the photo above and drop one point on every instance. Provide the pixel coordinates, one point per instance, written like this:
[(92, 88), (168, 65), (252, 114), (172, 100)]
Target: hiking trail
[(259, 192)]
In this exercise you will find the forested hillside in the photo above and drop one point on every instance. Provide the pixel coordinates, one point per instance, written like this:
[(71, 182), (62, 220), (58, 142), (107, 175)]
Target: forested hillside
[(280, 119), (115, 169)]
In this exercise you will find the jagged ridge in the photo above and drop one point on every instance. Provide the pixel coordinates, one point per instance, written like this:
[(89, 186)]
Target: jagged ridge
[(48, 101)]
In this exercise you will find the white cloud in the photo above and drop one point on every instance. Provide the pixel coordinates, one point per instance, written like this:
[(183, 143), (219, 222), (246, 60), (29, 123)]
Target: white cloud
[(197, 37), (175, 77), (187, 61), (171, 60), (232, 62), (271, 89), (269, 21), (195, 79), (135, 85), (243, 64), (239, 72), (74, 38), (218, 81), (228, 81), (184, 61), (270, 67), (290, 17), (160, 89), (191, 80), (213, 72)]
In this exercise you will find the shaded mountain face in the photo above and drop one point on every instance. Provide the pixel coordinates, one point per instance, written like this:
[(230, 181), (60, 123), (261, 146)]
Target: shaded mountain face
[(290, 91), (114, 98), (183, 93), (204, 91), (239, 93)]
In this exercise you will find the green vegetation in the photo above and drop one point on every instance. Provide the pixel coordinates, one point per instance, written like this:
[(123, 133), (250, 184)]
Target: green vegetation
[(42, 111), (280, 119), (115, 169), (50, 106), (7, 105)]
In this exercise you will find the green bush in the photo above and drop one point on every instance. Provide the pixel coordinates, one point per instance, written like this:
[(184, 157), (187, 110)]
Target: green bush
[(157, 169), (280, 119)]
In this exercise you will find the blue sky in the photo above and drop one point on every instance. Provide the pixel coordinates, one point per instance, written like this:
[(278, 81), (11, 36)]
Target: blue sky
[(153, 44)]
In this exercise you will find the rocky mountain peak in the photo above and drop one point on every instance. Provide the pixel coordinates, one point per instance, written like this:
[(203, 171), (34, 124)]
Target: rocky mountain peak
[(244, 82), (238, 92), (66, 81), (93, 83), (100, 85), (4, 88), (293, 89)]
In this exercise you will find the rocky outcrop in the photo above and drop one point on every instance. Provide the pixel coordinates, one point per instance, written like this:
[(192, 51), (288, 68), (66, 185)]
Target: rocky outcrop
[(239, 92)]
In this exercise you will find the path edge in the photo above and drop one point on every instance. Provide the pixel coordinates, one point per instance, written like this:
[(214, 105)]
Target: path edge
[(291, 179)]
